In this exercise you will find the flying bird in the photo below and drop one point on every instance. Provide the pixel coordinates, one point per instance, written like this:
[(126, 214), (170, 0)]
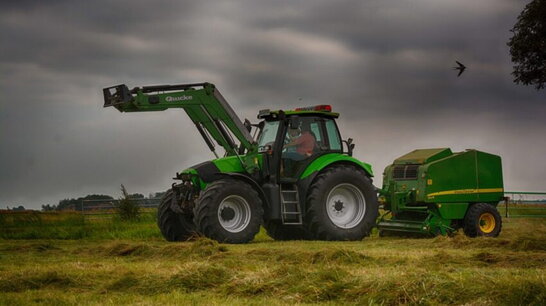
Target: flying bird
[(461, 68)]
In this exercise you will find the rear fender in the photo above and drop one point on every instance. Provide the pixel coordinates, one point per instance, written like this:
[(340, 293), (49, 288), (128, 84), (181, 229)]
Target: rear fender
[(334, 158), (323, 162)]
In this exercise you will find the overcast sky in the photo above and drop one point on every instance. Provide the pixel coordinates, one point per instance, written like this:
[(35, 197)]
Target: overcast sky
[(386, 66)]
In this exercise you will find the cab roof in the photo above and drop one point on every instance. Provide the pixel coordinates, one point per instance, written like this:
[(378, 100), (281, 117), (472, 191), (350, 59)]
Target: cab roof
[(318, 110)]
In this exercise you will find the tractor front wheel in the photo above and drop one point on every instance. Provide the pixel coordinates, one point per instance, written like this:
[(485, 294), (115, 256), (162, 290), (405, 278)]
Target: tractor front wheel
[(482, 219), (341, 204), (173, 225), (229, 211)]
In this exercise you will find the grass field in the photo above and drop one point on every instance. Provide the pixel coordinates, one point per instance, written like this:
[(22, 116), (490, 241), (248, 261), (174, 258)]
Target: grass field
[(74, 225), (119, 263)]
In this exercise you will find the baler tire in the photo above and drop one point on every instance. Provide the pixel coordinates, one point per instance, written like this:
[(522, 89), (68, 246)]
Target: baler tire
[(472, 219), (278, 231), (237, 195), (317, 219), (174, 226)]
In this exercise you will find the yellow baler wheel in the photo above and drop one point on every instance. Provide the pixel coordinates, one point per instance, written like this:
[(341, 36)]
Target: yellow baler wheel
[(487, 222)]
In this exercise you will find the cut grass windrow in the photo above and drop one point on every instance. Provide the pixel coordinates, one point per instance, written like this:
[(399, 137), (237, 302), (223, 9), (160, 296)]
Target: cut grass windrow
[(509, 270)]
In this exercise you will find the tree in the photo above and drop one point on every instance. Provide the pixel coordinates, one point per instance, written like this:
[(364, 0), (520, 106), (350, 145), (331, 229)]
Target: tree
[(76, 204), (157, 195), (128, 209), (136, 196), (528, 45), (49, 207)]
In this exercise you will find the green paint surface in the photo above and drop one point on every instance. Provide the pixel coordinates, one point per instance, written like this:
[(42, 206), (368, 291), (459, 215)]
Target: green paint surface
[(328, 159)]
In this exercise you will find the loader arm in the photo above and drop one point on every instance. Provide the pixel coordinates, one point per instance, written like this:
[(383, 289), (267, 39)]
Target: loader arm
[(206, 107)]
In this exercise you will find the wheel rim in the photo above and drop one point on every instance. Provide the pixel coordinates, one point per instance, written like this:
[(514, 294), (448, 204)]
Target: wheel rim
[(487, 222), (234, 213), (345, 206)]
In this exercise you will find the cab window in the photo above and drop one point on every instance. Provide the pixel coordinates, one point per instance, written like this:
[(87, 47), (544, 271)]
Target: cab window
[(333, 135), (315, 129), (268, 134)]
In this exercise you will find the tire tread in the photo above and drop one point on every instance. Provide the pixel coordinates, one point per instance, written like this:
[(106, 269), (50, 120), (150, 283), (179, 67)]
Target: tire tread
[(315, 223), (205, 212), (174, 226)]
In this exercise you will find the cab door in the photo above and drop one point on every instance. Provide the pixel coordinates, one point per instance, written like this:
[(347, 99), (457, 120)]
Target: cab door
[(306, 138)]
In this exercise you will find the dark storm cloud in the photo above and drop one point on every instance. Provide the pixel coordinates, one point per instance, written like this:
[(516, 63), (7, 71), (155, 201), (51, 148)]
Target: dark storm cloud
[(385, 65)]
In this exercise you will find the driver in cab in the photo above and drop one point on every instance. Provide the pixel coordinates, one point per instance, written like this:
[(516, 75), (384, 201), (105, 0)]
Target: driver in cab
[(300, 145)]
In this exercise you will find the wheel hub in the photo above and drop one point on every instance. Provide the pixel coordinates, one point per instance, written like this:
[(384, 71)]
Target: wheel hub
[(234, 213), (487, 222), (346, 206), (338, 205), (227, 213)]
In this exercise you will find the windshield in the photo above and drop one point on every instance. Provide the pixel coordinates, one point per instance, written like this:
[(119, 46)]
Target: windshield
[(269, 133)]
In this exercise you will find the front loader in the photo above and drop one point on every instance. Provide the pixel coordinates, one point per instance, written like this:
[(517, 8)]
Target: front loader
[(294, 177)]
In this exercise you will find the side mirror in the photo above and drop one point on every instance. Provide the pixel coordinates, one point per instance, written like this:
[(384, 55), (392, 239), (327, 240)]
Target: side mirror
[(350, 146), (247, 125)]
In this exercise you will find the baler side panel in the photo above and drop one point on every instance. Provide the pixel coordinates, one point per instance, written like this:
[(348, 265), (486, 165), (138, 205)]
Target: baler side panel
[(490, 177), (452, 211), (452, 179)]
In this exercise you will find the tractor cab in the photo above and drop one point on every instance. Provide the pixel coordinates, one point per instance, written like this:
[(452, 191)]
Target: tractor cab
[(293, 143), (297, 137)]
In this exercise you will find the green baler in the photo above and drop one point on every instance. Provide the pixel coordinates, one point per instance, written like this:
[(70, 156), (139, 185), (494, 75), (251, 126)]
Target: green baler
[(436, 191)]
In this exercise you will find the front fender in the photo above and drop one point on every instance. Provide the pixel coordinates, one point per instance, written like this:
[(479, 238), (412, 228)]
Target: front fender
[(251, 182), (332, 158)]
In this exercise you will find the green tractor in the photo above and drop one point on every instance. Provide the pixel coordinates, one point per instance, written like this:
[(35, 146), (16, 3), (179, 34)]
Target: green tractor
[(291, 172)]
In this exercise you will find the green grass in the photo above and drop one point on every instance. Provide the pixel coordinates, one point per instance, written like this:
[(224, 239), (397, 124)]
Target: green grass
[(62, 225), (516, 210), (138, 268)]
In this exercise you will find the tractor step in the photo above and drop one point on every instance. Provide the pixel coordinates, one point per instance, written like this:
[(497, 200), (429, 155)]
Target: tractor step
[(290, 205)]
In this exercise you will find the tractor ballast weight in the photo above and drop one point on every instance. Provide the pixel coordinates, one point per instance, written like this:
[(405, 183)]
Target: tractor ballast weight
[(436, 191), (294, 177)]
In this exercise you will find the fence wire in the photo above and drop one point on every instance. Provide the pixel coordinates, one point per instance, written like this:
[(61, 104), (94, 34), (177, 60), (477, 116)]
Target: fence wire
[(101, 207), (519, 204)]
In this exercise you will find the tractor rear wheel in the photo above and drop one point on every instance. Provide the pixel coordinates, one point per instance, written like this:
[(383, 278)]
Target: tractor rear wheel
[(341, 204), (278, 231), (173, 225), (482, 219), (229, 211)]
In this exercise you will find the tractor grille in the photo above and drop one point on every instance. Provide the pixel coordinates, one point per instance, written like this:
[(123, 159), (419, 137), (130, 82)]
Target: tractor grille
[(405, 172)]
